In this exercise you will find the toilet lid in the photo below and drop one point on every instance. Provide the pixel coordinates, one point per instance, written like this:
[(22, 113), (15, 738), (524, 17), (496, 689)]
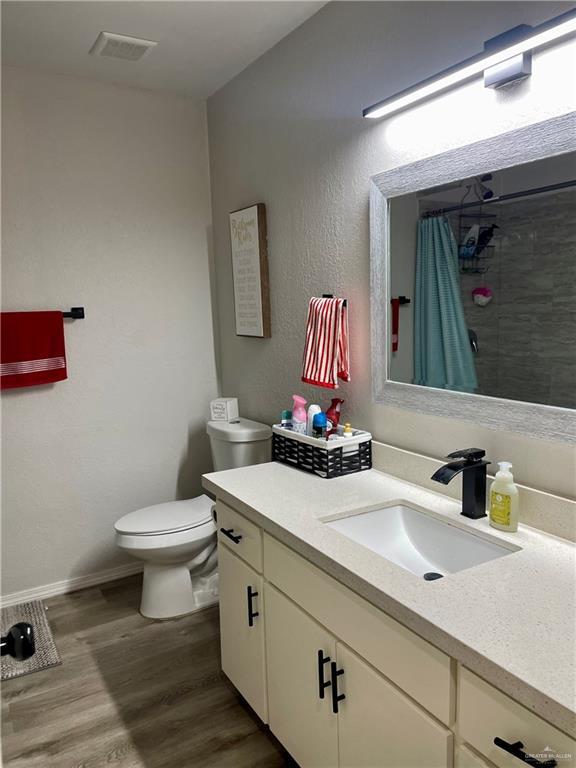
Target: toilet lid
[(167, 518)]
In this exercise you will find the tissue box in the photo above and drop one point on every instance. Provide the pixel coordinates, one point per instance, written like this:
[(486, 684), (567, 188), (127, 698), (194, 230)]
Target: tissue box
[(224, 409)]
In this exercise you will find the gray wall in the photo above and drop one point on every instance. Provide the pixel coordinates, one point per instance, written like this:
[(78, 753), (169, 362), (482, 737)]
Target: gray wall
[(287, 132), (527, 334), (105, 204)]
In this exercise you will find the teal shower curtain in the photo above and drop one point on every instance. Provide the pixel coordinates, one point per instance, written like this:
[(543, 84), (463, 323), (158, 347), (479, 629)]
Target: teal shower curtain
[(442, 353)]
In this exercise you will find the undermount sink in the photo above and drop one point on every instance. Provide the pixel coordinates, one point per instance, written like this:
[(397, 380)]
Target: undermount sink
[(417, 541)]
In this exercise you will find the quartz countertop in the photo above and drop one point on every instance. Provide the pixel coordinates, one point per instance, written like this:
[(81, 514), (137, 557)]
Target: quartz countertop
[(510, 620)]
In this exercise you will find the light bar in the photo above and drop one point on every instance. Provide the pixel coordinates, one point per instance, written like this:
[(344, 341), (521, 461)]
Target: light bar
[(562, 26)]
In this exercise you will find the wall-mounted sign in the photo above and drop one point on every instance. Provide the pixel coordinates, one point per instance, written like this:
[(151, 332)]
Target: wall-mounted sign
[(250, 271)]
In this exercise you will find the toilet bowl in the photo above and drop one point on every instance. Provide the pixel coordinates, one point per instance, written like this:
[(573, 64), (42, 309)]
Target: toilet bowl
[(177, 542)]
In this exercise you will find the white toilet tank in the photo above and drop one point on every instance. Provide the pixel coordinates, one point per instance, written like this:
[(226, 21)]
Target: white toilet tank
[(239, 443)]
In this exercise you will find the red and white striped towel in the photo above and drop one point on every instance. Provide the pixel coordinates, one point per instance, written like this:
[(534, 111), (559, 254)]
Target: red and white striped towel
[(326, 355), (32, 349)]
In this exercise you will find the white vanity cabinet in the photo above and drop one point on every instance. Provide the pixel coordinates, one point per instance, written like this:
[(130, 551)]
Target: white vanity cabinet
[(242, 629), (343, 685)]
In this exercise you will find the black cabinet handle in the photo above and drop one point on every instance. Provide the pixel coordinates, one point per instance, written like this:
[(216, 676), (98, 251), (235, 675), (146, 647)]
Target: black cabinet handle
[(517, 750), (251, 594), (322, 684), (336, 697), (229, 533)]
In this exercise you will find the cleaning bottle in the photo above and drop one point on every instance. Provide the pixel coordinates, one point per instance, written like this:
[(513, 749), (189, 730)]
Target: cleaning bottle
[(333, 414), (319, 425), (299, 415), (312, 411), (504, 499)]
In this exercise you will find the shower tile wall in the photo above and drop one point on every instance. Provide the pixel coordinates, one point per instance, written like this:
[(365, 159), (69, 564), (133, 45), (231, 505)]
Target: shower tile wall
[(527, 334)]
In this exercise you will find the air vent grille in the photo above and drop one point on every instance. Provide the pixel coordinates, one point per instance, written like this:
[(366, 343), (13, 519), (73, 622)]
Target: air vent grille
[(121, 46)]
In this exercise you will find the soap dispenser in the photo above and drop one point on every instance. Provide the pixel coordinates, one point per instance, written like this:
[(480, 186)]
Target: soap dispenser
[(504, 499)]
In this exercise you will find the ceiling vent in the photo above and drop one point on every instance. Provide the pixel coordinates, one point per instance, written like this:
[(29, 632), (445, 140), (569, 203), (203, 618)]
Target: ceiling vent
[(121, 46)]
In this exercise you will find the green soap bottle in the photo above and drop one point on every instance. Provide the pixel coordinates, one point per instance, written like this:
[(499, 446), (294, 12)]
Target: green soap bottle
[(504, 501)]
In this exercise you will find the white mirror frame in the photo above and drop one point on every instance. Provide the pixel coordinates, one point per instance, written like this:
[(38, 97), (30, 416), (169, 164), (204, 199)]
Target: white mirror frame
[(536, 142)]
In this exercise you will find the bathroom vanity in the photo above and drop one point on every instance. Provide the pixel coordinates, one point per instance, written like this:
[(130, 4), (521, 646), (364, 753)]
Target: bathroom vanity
[(355, 661)]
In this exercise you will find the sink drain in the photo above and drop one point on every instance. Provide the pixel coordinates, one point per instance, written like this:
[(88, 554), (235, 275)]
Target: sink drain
[(432, 576)]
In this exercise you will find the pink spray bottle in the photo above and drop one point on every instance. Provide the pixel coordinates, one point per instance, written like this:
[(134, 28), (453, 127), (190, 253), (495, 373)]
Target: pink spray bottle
[(299, 414), (333, 415)]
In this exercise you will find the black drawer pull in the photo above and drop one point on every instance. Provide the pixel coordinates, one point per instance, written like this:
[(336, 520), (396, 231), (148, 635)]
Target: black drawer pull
[(336, 697), (229, 533), (517, 750), (251, 594), (322, 684)]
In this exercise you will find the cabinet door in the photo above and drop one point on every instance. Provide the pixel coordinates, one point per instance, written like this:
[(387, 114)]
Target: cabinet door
[(298, 716), (242, 629), (379, 727)]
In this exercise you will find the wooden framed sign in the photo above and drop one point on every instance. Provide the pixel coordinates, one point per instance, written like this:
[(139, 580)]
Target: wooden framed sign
[(250, 271)]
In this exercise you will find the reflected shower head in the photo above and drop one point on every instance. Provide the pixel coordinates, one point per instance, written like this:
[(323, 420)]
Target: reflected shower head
[(484, 191)]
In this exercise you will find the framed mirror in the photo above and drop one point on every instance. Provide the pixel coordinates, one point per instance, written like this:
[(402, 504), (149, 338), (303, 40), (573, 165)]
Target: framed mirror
[(473, 282)]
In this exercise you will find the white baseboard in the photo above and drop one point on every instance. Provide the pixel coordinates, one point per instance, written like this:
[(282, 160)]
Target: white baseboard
[(70, 585)]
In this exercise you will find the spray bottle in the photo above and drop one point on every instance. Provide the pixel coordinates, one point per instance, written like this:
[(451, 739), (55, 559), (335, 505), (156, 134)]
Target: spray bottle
[(333, 414), (299, 414)]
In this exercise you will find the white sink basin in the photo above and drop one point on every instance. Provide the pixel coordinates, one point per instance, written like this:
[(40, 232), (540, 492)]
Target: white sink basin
[(418, 541)]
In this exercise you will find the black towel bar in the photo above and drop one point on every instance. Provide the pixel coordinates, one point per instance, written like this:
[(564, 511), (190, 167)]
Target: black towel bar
[(331, 296), (76, 313)]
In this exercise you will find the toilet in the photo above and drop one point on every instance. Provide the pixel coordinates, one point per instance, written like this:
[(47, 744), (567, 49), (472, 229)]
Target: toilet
[(177, 540)]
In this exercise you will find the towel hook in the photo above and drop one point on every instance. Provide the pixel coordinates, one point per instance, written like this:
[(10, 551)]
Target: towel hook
[(76, 313)]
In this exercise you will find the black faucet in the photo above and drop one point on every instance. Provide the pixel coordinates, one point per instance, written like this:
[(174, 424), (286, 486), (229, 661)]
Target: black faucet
[(471, 462)]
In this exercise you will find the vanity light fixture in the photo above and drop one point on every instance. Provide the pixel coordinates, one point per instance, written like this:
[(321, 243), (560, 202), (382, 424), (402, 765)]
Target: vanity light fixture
[(505, 58)]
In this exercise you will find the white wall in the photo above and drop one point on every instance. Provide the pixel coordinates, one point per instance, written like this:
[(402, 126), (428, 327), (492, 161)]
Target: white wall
[(106, 205), (288, 132)]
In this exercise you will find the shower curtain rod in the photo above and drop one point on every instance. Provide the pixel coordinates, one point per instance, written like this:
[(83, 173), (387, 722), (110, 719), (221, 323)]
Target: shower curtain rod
[(502, 198)]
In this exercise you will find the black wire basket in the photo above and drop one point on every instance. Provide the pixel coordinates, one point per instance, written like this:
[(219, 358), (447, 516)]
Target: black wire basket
[(312, 454)]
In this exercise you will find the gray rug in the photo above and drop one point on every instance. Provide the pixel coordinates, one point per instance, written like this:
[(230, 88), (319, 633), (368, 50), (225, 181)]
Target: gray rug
[(46, 652)]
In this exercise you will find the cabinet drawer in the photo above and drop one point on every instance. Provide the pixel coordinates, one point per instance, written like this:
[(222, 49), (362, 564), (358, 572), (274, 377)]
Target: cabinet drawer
[(410, 662), (485, 713), (243, 537)]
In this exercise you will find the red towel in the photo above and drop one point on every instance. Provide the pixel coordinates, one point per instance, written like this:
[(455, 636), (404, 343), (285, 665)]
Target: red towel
[(395, 323), (32, 349), (326, 355)]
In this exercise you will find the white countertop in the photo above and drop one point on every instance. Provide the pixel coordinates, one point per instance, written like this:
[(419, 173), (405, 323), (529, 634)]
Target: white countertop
[(510, 620)]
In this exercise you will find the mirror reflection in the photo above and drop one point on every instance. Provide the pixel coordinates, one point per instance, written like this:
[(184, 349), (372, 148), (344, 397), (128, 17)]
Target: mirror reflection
[(483, 284)]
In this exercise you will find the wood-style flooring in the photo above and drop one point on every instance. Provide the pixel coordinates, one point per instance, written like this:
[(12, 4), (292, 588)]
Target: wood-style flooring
[(131, 693)]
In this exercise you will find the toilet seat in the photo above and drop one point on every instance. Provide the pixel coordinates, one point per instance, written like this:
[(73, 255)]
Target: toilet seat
[(171, 517)]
